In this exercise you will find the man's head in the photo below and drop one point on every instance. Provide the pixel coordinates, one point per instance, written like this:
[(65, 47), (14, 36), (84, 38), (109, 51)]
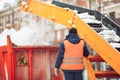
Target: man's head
[(73, 30)]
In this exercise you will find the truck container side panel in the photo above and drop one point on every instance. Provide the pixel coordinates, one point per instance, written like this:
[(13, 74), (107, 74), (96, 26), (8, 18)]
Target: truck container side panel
[(1, 68), (53, 56), (39, 64), (5, 62)]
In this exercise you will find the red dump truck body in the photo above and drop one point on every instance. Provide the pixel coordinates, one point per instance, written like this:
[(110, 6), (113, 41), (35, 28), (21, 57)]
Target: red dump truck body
[(28, 62)]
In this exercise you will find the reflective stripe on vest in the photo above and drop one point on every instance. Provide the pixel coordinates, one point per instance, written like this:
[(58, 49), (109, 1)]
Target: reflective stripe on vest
[(73, 56), (73, 61)]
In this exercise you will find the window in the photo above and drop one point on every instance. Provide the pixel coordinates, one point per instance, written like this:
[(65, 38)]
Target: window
[(112, 15)]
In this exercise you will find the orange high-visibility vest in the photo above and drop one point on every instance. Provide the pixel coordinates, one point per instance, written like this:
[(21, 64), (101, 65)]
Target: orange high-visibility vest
[(73, 56)]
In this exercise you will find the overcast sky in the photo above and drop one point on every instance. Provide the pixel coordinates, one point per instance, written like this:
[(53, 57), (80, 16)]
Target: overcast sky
[(3, 1)]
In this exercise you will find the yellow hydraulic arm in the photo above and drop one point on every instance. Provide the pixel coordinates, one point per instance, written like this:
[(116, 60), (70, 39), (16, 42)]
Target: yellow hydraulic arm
[(68, 18)]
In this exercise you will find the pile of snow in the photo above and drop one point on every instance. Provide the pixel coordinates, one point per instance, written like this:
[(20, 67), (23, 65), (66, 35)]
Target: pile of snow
[(3, 35), (31, 33), (111, 37), (87, 18), (115, 45)]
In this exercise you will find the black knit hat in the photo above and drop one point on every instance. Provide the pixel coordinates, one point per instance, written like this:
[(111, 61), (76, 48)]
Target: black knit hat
[(73, 30)]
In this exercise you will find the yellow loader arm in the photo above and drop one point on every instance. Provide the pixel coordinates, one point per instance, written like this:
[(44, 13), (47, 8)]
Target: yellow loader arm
[(70, 19)]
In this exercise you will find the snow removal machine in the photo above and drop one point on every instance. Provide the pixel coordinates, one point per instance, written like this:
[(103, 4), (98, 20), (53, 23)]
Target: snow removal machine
[(37, 62)]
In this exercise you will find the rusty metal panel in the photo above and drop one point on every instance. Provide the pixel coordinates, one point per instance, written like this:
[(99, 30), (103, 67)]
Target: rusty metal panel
[(39, 64), (0, 66), (3, 68), (1, 75), (21, 70), (53, 55), (43, 64)]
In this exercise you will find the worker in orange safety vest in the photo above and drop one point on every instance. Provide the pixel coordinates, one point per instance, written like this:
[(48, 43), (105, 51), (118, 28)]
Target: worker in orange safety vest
[(70, 56)]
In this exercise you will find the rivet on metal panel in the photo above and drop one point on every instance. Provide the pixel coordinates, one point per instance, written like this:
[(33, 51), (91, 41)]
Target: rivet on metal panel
[(85, 35), (109, 57), (30, 10), (73, 25), (67, 9), (53, 18), (70, 21), (26, 6), (23, 3)]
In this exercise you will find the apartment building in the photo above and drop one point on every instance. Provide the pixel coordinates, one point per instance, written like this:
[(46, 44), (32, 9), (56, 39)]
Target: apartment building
[(9, 15), (110, 8)]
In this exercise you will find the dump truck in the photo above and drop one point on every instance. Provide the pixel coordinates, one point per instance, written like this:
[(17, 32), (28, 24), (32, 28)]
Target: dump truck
[(63, 14)]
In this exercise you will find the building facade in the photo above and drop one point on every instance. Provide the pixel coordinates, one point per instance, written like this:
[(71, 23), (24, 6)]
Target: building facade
[(107, 7), (112, 9), (10, 15)]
